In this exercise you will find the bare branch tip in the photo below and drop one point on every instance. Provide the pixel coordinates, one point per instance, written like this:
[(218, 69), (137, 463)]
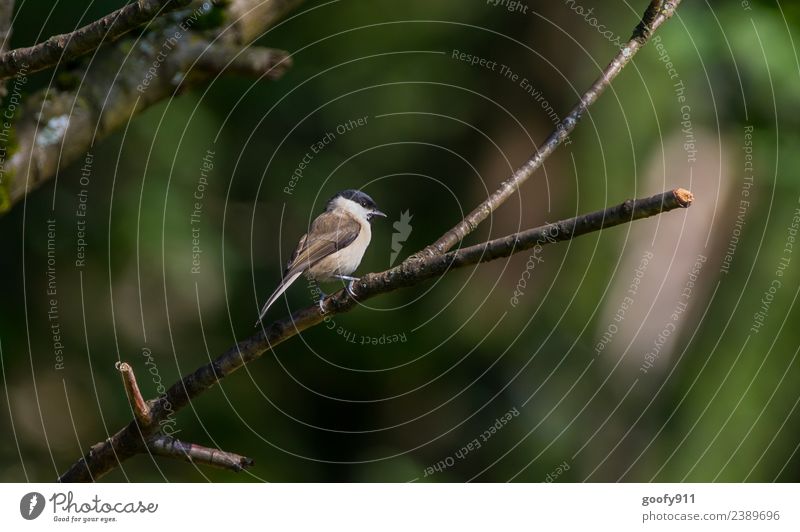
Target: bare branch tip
[(245, 463), (656, 13), (138, 404), (684, 197)]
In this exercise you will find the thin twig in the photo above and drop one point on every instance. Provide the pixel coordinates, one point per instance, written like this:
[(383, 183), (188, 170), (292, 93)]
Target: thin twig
[(193, 453), (658, 12), (555, 232), (139, 406), (412, 271), (60, 48)]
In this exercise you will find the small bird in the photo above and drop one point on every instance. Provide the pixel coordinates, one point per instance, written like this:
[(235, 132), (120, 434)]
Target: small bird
[(334, 246)]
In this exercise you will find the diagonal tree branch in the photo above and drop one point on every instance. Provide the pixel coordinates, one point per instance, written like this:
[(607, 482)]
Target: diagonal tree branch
[(133, 439), (58, 125), (658, 12), (434, 261), (60, 48)]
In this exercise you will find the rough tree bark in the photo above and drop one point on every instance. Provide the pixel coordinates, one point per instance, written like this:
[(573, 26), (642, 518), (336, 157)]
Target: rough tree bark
[(58, 125), (61, 48)]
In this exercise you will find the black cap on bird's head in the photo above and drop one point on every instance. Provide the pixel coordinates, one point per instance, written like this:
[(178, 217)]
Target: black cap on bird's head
[(359, 198)]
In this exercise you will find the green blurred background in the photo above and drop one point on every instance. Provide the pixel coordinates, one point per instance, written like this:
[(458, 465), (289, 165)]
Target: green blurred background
[(719, 402)]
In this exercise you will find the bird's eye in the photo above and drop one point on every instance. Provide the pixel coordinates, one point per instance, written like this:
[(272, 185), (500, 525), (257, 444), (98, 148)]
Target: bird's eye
[(363, 203)]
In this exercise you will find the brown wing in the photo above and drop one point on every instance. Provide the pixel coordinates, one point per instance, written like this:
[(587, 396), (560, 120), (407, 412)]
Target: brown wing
[(331, 232)]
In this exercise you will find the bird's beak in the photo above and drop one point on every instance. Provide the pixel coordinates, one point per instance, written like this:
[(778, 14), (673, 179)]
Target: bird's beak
[(376, 212)]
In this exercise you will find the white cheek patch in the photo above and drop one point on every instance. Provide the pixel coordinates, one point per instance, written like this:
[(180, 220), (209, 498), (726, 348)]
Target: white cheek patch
[(352, 207)]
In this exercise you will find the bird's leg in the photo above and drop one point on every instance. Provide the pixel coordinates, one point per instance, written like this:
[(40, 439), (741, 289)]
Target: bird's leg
[(322, 296), (349, 286)]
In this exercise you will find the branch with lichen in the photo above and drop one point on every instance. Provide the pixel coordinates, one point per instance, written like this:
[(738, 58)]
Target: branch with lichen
[(58, 125), (61, 48)]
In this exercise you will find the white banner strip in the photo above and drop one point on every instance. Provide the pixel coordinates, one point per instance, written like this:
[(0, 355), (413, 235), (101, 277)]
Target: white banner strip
[(390, 507)]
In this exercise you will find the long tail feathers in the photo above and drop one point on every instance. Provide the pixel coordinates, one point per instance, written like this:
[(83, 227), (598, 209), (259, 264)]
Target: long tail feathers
[(275, 295)]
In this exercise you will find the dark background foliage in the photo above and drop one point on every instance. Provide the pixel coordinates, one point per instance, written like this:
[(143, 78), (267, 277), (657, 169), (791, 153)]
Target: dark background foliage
[(719, 402)]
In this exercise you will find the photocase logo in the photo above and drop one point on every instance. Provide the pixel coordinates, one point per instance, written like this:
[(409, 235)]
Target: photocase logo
[(31, 505), (402, 229)]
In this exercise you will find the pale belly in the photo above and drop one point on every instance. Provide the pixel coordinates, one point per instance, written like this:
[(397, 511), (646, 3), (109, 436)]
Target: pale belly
[(344, 261)]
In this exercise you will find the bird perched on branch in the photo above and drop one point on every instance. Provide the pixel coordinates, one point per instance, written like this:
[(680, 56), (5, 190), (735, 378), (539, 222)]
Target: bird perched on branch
[(334, 245)]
